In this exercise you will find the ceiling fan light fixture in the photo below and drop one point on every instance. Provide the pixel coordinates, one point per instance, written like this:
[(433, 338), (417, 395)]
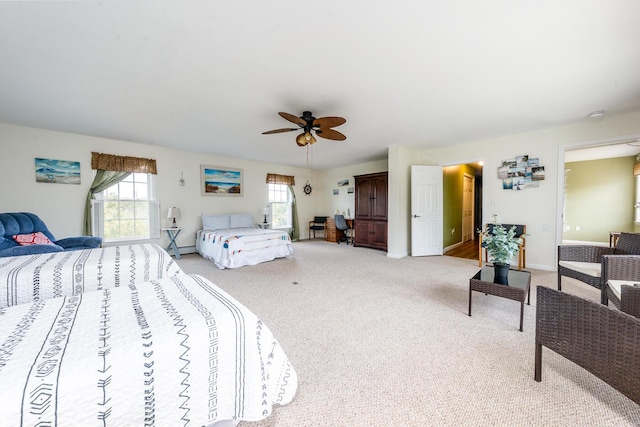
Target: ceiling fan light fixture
[(308, 123), (300, 140), (309, 138)]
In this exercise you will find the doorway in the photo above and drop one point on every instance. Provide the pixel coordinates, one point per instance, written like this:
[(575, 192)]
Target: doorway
[(462, 209), (597, 176), (468, 189)]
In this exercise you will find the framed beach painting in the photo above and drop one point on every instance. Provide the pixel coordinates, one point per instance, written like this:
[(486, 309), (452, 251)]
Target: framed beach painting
[(57, 171), (220, 181)]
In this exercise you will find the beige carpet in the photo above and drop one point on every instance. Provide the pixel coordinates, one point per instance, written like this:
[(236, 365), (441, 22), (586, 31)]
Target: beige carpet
[(378, 341)]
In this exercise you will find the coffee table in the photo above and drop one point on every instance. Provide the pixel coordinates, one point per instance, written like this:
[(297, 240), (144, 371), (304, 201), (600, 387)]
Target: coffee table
[(518, 289)]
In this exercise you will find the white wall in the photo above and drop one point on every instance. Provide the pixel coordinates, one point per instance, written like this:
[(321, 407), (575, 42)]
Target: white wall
[(61, 206), (399, 227), (537, 207), (328, 181)]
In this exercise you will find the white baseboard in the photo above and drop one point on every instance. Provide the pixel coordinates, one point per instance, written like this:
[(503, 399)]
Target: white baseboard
[(397, 255), (448, 248), (186, 250)]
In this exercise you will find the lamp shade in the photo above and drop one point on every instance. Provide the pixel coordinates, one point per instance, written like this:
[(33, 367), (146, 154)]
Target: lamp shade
[(173, 213), (264, 211)]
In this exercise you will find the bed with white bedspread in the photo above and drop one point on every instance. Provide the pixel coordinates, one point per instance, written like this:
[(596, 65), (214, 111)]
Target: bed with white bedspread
[(171, 352), (28, 278), (232, 241)]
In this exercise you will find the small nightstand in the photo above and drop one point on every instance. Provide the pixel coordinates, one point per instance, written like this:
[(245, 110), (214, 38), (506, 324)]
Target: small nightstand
[(173, 233)]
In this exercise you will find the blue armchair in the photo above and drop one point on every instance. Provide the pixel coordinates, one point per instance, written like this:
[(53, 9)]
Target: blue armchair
[(24, 223)]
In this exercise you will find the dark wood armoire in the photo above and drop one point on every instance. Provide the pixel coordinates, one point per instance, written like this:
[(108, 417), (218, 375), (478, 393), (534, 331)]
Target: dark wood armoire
[(371, 210)]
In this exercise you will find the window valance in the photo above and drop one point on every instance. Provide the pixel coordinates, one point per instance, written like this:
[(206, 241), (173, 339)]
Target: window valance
[(110, 162), (273, 178)]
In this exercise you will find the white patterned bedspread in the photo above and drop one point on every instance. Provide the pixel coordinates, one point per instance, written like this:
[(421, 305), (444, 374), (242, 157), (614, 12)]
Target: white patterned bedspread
[(174, 352), (238, 247), (29, 278)]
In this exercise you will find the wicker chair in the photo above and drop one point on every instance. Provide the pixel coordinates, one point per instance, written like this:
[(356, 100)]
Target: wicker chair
[(604, 341), (594, 265), (627, 300)]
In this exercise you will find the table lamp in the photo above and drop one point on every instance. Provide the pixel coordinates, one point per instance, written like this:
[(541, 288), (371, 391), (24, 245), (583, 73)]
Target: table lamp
[(265, 212), (173, 214)]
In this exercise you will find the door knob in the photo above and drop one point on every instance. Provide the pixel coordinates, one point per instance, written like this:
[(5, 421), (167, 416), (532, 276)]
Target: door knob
[(416, 216)]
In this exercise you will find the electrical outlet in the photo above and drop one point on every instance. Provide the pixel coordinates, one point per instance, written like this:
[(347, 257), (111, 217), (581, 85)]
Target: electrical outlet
[(545, 227), (453, 231)]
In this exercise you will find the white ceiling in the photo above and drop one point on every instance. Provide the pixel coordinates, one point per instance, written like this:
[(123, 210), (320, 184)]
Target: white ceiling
[(621, 149), (211, 76)]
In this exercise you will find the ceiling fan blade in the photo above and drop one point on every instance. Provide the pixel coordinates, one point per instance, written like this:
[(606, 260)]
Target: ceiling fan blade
[(293, 119), (328, 122), (305, 138), (279, 130), (330, 134)]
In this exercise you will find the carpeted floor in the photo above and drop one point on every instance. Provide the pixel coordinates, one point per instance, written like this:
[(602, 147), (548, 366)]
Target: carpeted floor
[(378, 341)]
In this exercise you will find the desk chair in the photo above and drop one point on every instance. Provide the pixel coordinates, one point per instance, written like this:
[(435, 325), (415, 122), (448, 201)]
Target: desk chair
[(318, 224), (341, 225)]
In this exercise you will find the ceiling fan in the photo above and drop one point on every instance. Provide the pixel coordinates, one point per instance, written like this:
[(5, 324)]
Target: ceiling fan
[(307, 123)]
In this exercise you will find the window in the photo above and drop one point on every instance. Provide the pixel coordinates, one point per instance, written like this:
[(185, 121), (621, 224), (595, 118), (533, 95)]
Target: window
[(280, 204), (127, 210)]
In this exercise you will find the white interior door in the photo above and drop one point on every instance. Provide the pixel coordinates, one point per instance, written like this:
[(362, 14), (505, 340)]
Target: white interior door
[(468, 183), (426, 210)]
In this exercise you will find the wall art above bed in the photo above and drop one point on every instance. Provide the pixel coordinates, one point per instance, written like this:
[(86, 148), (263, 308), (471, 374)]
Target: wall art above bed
[(220, 181)]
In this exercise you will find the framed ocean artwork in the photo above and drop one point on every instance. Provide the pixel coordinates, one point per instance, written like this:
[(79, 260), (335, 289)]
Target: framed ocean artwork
[(220, 181), (57, 171)]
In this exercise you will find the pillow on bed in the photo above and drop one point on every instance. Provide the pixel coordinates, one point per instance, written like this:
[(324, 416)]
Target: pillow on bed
[(32, 239), (242, 220), (215, 222)]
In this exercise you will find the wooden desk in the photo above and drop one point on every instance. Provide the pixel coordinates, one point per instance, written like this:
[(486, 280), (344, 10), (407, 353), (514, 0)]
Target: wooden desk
[(351, 223), (332, 234)]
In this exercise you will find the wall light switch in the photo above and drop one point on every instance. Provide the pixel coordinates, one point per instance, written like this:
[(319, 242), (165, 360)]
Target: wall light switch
[(577, 228)]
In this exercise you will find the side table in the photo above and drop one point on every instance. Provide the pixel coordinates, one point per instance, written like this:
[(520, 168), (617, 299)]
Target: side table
[(518, 289), (173, 233)]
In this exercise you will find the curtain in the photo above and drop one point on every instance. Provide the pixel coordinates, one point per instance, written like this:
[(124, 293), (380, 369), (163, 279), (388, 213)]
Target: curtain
[(103, 180), (295, 229), (290, 181), (273, 178), (110, 162)]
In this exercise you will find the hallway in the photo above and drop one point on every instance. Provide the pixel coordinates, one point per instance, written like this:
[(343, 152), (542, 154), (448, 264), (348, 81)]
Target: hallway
[(467, 250)]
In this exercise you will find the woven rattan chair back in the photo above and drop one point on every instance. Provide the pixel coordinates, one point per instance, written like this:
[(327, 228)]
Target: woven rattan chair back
[(628, 244), (602, 340)]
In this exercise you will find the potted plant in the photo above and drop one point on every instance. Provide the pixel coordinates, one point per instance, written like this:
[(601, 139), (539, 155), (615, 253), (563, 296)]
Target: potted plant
[(501, 245)]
